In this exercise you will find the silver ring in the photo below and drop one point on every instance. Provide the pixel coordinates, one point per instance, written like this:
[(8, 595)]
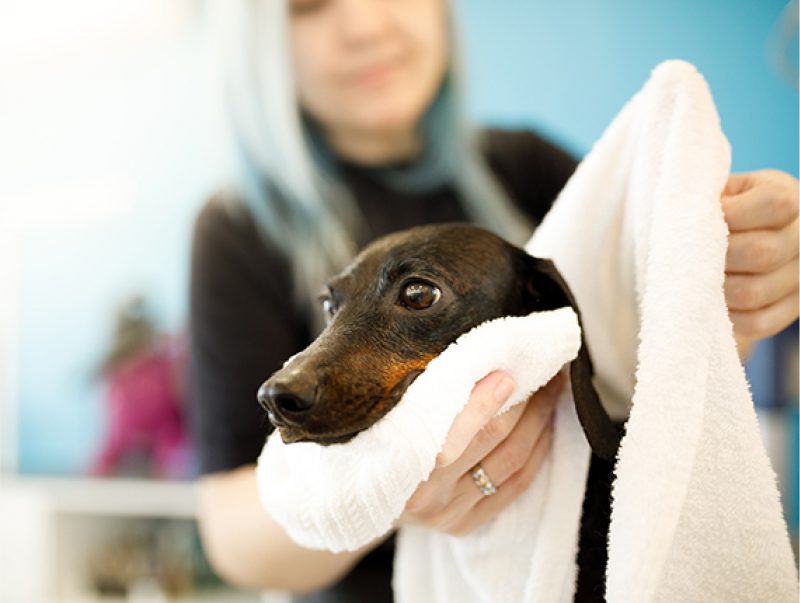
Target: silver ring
[(482, 480)]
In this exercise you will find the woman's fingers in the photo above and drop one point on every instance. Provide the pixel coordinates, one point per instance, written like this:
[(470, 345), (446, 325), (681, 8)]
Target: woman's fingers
[(488, 396), (760, 251), (487, 438), (503, 454), (766, 322), (761, 278), (436, 493), (748, 292), (504, 446), (508, 458), (767, 199), (490, 507)]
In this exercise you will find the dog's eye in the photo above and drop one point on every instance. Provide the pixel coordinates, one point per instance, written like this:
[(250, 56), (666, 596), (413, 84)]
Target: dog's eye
[(419, 295), (329, 308)]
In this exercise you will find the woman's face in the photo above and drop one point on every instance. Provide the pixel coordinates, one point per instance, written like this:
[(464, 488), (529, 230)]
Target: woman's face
[(368, 67)]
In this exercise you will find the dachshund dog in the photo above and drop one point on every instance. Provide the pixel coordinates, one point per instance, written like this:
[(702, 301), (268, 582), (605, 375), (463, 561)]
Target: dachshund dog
[(402, 301)]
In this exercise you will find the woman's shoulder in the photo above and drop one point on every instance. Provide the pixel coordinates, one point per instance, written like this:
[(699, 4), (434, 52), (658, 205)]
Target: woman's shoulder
[(521, 146), (223, 214), (532, 168), (227, 239), (225, 223)]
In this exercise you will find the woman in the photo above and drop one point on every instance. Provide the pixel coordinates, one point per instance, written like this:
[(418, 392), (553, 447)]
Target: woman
[(350, 127)]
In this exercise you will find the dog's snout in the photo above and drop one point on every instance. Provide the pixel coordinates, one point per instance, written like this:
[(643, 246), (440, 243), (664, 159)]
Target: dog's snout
[(285, 403)]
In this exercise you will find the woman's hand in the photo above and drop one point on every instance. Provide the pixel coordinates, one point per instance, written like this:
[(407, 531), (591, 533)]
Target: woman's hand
[(510, 448), (761, 267)]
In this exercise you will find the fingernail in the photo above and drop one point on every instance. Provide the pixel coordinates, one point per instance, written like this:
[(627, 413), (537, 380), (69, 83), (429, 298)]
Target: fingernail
[(503, 389)]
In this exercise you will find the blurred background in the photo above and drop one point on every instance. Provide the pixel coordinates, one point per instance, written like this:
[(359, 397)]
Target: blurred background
[(112, 134)]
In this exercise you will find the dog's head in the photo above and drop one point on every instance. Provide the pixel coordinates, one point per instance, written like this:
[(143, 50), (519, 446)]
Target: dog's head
[(401, 302)]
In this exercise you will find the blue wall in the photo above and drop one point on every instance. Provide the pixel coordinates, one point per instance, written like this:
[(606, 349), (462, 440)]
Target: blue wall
[(130, 137), (568, 67)]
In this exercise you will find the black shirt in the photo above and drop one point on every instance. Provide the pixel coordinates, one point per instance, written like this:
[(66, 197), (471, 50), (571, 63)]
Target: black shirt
[(244, 322)]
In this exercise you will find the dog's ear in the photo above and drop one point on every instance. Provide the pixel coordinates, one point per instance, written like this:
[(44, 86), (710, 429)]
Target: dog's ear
[(546, 289)]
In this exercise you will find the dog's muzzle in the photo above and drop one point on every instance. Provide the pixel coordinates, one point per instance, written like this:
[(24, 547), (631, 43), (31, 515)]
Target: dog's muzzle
[(286, 407)]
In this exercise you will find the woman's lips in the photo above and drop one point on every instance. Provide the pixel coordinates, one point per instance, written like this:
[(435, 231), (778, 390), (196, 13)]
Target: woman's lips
[(374, 75)]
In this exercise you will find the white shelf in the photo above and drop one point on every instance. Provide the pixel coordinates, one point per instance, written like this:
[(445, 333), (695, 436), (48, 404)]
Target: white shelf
[(214, 597), (108, 496), (49, 527)]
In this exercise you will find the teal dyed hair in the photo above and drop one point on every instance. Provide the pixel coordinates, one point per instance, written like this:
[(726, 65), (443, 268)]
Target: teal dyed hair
[(288, 179)]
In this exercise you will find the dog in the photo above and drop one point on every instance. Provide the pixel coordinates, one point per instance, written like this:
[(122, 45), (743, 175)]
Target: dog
[(401, 302)]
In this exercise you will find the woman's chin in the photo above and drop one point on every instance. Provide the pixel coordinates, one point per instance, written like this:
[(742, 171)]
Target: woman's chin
[(389, 121)]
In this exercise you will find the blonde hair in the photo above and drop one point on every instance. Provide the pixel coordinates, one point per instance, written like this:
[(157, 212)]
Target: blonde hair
[(298, 204)]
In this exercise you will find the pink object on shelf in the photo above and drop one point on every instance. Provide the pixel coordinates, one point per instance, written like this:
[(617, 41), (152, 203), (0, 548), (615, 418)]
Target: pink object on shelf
[(145, 415)]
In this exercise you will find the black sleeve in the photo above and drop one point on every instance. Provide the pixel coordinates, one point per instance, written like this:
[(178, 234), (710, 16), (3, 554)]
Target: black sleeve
[(532, 169), (242, 327)]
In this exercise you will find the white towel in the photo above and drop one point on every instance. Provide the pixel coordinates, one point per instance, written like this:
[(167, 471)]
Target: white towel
[(639, 235), (343, 496)]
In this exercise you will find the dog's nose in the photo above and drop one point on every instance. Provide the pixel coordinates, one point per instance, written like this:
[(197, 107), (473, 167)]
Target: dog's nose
[(284, 402)]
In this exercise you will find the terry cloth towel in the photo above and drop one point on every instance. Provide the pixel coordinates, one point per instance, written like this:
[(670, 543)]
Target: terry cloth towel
[(638, 234), (343, 496)]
